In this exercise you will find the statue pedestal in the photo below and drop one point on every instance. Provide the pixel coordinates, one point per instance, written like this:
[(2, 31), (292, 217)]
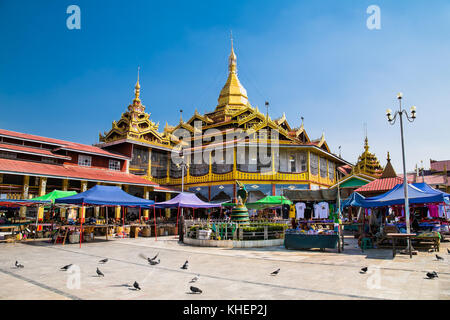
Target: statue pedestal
[(239, 214)]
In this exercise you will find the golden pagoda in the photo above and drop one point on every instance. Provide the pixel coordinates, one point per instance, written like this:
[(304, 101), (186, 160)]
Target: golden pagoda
[(296, 162), (135, 124), (368, 163)]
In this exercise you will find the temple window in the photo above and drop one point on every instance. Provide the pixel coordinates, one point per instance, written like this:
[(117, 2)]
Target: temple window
[(114, 165), (323, 167), (331, 170), (50, 160), (84, 161), (198, 166), (139, 158), (222, 161), (159, 164), (292, 163), (8, 155), (303, 161), (314, 163)]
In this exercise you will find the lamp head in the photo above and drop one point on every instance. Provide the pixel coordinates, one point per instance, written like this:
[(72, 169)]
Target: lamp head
[(388, 114), (413, 112), (399, 96)]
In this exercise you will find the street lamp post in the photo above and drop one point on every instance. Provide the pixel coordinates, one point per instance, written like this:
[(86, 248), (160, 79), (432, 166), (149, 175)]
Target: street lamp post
[(392, 119), (183, 164)]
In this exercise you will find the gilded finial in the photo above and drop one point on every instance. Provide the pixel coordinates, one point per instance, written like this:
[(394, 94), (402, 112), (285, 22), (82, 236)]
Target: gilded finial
[(137, 88), (181, 115), (232, 66), (366, 144), (388, 157)]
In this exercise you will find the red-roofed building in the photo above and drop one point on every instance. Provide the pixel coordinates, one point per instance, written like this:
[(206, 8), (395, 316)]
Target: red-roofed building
[(379, 186), (437, 177), (32, 166)]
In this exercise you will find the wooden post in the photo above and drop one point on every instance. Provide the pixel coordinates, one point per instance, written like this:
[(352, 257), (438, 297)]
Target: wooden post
[(266, 233)]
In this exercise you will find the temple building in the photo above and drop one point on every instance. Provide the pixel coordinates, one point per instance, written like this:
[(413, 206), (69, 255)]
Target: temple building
[(31, 166), (366, 170), (267, 155)]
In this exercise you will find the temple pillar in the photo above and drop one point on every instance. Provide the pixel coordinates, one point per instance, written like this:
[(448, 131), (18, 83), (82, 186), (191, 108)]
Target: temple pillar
[(25, 187), (65, 187), (117, 213), (97, 209), (42, 190), (82, 210), (167, 210), (146, 196)]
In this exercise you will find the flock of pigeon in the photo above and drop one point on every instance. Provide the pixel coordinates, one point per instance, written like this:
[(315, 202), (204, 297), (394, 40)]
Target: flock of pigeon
[(153, 261), (430, 275)]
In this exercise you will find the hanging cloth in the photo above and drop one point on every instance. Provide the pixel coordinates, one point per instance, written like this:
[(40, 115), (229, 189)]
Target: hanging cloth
[(300, 210)]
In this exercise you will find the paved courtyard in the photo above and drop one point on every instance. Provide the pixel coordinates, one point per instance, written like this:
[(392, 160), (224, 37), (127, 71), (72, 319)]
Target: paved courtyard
[(224, 273)]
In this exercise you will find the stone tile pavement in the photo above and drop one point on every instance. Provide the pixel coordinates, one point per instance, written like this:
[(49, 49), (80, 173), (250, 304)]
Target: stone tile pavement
[(224, 273)]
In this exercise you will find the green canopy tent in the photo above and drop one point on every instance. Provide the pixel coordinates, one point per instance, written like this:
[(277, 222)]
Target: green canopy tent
[(269, 202), (52, 196), (55, 194)]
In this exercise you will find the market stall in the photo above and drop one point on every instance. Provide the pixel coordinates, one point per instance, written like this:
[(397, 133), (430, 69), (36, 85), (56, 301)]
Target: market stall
[(106, 196), (428, 208), (186, 200), (317, 223), (18, 226)]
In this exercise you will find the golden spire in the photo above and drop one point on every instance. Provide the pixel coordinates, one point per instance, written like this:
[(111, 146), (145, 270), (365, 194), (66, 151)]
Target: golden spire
[(137, 89), (233, 95), (232, 65)]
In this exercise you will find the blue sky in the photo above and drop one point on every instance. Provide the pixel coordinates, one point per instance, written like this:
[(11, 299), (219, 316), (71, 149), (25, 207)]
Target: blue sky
[(315, 59)]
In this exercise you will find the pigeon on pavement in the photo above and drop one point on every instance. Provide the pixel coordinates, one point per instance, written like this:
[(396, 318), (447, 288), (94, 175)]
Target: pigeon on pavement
[(136, 285), (152, 262), (448, 250), (439, 257), (154, 258), (195, 289), (65, 268), (275, 272), (432, 275), (100, 274), (364, 269), (103, 261), (195, 279), (18, 265), (185, 265)]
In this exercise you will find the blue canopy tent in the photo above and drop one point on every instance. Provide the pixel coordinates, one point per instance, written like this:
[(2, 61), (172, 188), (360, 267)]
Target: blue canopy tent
[(396, 196), (355, 200), (107, 196), (427, 188)]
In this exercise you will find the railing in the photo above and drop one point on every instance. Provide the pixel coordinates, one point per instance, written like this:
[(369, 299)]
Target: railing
[(226, 230)]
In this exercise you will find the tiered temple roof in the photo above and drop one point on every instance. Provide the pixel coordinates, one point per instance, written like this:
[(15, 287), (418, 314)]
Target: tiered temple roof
[(233, 111), (368, 163)]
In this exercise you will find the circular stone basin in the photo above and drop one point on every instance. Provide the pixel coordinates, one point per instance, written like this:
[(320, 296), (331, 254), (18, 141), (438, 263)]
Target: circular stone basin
[(234, 243)]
